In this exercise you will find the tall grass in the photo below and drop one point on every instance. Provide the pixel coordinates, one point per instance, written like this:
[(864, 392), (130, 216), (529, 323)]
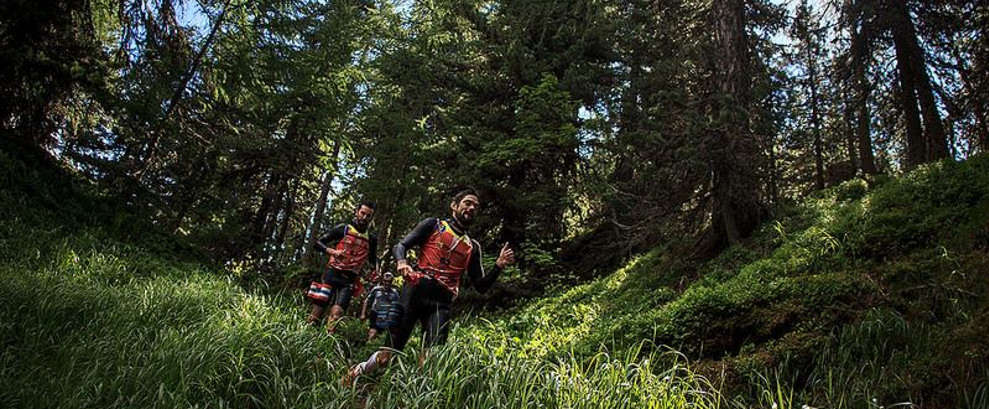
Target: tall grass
[(91, 322), (476, 373), (88, 319)]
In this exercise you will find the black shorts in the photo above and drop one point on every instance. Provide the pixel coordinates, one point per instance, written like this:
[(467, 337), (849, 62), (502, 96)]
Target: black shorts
[(342, 287), (427, 303), (372, 321)]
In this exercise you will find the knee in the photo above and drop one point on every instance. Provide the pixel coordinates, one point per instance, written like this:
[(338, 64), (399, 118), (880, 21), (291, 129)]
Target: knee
[(383, 357), (336, 311)]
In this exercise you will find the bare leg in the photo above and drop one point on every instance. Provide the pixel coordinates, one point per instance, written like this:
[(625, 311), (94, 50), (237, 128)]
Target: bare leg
[(316, 315), (336, 312), (371, 333)]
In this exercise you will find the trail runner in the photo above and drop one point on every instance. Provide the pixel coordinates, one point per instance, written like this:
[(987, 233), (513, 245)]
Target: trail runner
[(349, 247), (446, 252), (381, 308)]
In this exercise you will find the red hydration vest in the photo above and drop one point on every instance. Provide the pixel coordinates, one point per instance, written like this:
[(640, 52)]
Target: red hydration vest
[(445, 256), (355, 246)]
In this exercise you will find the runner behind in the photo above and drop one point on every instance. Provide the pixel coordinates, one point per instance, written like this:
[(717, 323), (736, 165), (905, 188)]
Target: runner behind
[(381, 308), (349, 247)]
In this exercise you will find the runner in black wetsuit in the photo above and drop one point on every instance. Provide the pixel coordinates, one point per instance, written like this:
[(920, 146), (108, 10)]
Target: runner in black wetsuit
[(349, 246), (446, 252)]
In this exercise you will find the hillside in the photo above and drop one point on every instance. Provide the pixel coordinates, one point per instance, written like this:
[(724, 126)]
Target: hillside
[(871, 289), (865, 295)]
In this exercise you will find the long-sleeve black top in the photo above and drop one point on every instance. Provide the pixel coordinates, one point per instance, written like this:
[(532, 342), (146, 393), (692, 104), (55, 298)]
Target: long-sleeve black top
[(475, 271), (334, 235)]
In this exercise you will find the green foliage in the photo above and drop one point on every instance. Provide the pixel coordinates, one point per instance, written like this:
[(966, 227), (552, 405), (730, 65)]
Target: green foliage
[(89, 333), (486, 372), (816, 270), (89, 320), (806, 313)]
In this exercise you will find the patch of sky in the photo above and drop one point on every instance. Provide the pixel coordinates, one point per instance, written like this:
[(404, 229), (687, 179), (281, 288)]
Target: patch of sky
[(191, 14)]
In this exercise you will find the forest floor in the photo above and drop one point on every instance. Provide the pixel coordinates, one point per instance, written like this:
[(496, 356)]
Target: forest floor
[(870, 294)]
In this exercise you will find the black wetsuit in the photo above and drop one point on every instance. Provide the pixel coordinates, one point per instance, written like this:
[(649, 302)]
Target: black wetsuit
[(342, 280), (427, 302)]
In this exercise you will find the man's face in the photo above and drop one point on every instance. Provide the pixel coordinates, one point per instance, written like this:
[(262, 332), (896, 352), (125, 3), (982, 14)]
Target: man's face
[(465, 210), (362, 217)]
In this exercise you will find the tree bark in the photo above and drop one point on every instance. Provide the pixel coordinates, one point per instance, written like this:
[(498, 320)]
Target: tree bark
[(860, 54), (735, 207), (286, 219), (916, 84), (850, 129), (261, 217), (916, 145), (324, 193), (815, 122)]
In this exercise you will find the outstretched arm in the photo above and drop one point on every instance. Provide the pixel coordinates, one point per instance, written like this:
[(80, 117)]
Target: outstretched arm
[(483, 281)]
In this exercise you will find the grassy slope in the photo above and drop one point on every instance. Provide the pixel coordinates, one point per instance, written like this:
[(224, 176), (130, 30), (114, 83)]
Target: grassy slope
[(100, 310), (857, 294)]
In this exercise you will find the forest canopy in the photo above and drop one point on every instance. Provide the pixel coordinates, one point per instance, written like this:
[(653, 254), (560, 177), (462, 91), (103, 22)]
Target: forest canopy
[(592, 129)]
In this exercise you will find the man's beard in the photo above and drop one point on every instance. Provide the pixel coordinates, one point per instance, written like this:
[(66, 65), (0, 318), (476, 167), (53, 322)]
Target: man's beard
[(361, 224), (463, 221)]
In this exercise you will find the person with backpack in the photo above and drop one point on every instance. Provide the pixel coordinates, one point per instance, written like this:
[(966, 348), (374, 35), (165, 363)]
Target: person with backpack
[(381, 308), (446, 253)]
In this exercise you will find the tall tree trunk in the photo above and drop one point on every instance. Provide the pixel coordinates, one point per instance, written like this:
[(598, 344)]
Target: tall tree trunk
[(937, 146), (388, 228), (735, 207), (515, 220), (774, 176), (849, 95), (815, 122), (916, 145), (286, 218), (324, 193), (260, 222), (860, 59), (911, 63), (982, 125), (977, 103), (271, 221)]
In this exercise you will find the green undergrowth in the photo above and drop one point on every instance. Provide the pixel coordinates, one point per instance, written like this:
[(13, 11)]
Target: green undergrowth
[(99, 316), (106, 315), (867, 295)]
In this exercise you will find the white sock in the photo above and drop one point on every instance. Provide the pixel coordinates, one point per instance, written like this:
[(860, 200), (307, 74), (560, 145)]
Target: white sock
[(370, 366)]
